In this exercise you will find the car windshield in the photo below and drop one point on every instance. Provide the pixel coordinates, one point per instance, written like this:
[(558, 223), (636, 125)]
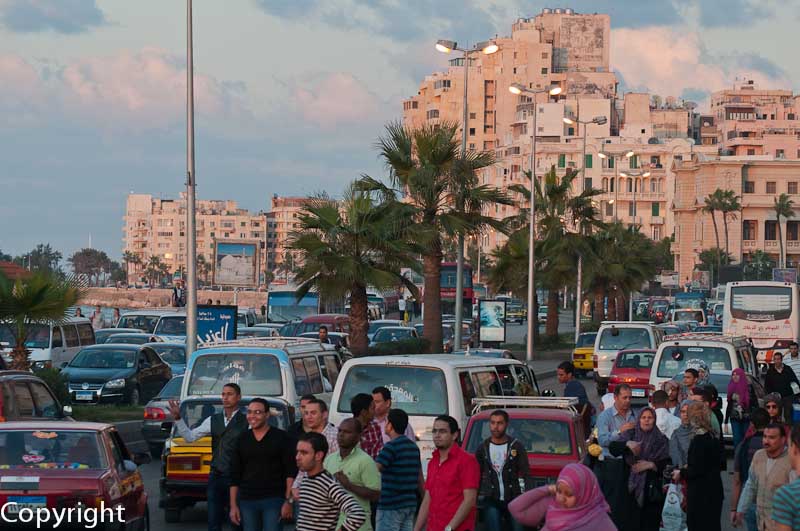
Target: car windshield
[(688, 315), (447, 332), (172, 326), (415, 390), (172, 389), (256, 374), (618, 338), (586, 340), (194, 412), (539, 436), (145, 323), (104, 359), (38, 336), (47, 449), (391, 334), (635, 360), (670, 330), (374, 326), (171, 355), (128, 339), (674, 359)]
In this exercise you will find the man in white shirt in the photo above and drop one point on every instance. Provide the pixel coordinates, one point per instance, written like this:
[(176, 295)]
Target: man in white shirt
[(792, 358), (665, 421)]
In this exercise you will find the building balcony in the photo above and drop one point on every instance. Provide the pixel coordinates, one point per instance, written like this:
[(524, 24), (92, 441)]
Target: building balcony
[(744, 141), (749, 244), (770, 244), (657, 220), (793, 245)]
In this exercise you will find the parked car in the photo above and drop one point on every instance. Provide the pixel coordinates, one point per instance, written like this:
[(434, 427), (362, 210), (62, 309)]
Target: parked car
[(254, 331), (157, 424), (389, 334), (185, 466), (516, 313), (708, 329), (632, 367), (448, 335), (541, 315), (615, 336), (336, 322), (173, 354), (71, 464), (112, 373), (468, 332), (275, 327), (582, 354), (100, 336), (130, 339), (339, 339), (289, 329), (377, 324), (144, 320), (487, 353), (24, 396)]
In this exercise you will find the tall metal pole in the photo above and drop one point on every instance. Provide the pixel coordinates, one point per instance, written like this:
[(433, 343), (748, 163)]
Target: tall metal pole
[(459, 311), (616, 187), (533, 315), (579, 286), (191, 234)]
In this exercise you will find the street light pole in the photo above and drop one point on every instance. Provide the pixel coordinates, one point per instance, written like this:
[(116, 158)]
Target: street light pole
[(191, 233), (634, 175)]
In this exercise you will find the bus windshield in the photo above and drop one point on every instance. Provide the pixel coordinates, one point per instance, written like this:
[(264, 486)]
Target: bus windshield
[(761, 303), (283, 306)]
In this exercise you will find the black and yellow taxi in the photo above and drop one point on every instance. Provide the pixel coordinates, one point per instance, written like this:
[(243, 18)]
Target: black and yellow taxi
[(582, 355)]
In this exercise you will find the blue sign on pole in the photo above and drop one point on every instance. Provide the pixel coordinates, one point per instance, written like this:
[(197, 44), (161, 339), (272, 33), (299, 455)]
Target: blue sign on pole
[(216, 323)]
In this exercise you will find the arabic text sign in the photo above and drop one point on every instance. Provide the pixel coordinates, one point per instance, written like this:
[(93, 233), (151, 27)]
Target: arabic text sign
[(216, 323), (784, 275), (492, 321)]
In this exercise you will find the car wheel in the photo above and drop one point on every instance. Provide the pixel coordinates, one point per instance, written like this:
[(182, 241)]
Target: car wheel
[(155, 450), (172, 516), (135, 397)]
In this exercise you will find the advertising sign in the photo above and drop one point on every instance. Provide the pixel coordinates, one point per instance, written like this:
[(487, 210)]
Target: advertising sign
[(784, 275), (216, 323), (701, 280), (236, 263), (670, 279), (493, 321)]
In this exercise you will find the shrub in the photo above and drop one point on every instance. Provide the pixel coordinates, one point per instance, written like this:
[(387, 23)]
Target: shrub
[(418, 345), (57, 382)]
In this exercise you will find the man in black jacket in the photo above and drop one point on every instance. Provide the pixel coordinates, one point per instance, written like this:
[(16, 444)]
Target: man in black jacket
[(503, 463), (779, 379)]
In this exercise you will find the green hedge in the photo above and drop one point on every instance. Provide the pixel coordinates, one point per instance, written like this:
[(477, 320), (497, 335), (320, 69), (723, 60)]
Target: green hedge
[(109, 414), (418, 345)]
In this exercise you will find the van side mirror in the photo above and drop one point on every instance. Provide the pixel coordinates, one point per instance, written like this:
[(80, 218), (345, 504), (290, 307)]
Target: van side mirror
[(66, 411)]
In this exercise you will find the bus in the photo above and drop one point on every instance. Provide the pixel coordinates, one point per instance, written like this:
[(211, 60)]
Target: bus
[(447, 289), (283, 306), (765, 312)]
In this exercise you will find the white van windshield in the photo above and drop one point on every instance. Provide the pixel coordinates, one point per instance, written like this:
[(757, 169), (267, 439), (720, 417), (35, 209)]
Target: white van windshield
[(256, 374), (624, 338), (145, 323), (674, 358), (415, 390)]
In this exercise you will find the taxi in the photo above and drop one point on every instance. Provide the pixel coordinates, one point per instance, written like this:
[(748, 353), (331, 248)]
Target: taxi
[(583, 352), (60, 465), (185, 466)]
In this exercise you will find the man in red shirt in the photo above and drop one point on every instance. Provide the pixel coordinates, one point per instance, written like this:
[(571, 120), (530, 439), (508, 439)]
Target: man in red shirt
[(451, 488)]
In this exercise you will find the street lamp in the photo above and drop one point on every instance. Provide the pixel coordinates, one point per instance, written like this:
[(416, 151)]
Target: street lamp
[(191, 233), (486, 48), (597, 120), (533, 317), (633, 174), (615, 158)]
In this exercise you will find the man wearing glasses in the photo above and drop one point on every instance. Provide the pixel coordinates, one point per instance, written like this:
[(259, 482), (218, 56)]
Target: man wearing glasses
[(263, 469)]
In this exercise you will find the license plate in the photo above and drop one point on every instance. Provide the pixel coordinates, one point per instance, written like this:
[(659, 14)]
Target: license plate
[(25, 502), (84, 395), (637, 393)]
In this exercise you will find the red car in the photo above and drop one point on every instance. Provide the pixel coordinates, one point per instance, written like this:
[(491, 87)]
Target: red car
[(553, 436), (632, 367), (61, 465)]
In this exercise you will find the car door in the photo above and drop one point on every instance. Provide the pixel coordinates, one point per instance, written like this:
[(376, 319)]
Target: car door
[(58, 350), (71, 343), (148, 374), (24, 406), (162, 372), (45, 404), (129, 483)]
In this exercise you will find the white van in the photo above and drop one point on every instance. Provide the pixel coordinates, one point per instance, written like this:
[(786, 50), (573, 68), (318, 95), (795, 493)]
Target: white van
[(614, 336), (144, 320), (51, 345), (425, 386)]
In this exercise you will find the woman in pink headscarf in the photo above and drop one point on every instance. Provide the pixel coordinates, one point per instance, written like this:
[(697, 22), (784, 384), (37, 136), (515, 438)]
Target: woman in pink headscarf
[(738, 410), (574, 503)]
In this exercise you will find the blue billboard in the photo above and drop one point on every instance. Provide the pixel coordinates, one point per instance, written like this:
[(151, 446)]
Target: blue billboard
[(216, 323)]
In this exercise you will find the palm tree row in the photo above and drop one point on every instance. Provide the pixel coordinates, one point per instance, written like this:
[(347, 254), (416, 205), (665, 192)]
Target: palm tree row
[(727, 203)]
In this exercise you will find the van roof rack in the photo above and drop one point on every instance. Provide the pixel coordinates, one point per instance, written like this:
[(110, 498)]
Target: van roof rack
[(553, 402), (267, 342), (703, 336)]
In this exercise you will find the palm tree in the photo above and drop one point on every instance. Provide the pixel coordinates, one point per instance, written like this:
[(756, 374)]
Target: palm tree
[(130, 258), (426, 166), (155, 270), (729, 206), (349, 246), (783, 206), (40, 298), (713, 204)]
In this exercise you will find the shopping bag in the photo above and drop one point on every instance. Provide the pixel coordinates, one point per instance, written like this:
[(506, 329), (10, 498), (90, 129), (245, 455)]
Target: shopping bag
[(672, 516)]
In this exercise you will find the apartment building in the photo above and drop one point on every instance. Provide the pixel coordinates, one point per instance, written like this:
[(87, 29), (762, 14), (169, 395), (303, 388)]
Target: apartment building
[(757, 179), (283, 214), (157, 227)]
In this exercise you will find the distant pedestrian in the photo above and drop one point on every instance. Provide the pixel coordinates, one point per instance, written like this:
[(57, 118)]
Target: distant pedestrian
[(262, 471), (574, 503), (178, 294), (322, 498), (401, 476), (116, 317), (382, 398), (738, 410), (574, 389), (786, 502), (781, 379), (666, 422), (451, 488), (362, 407), (354, 469), (78, 312), (219, 303), (505, 472), (209, 302), (742, 458), (97, 318)]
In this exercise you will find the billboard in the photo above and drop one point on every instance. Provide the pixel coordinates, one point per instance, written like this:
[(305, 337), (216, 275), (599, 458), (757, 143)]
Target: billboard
[(701, 280), (236, 263), (216, 323), (492, 321), (784, 275), (670, 279)]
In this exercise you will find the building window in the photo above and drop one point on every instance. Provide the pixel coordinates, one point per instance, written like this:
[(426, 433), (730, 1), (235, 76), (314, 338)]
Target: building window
[(779, 154), (634, 162), (433, 113), (630, 209), (587, 183), (544, 55), (771, 230), (654, 210), (771, 187), (471, 131), (656, 233), (751, 152), (610, 162), (562, 160), (630, 185), (515, 70), (588, 161), (472, 146), (749, 187), (792, 188), (748, 229), (609, 209), (544, 71), (472, 116), (570, 131), (791, 231)]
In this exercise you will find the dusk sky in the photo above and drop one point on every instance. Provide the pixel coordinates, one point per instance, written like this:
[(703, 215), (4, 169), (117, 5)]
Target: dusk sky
[(290, 95)]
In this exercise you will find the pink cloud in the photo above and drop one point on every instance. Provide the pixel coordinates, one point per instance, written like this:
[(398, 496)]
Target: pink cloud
[(334, 99)]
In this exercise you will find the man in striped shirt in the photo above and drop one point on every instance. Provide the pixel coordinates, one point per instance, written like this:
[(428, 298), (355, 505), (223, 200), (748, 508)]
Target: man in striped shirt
[(322, 497)]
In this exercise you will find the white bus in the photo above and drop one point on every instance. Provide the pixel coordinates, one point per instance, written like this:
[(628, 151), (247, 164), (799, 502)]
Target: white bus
[(766, 312)]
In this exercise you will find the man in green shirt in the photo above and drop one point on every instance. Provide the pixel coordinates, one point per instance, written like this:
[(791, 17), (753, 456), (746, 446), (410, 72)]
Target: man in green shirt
[(354, 469)]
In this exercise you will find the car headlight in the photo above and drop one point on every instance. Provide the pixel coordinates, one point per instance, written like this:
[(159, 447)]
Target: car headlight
[(39, 365), (117, 383)]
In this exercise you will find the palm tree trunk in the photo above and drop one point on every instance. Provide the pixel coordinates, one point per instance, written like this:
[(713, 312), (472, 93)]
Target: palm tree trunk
[(781, 262), (359, 321), (725, 226), (716, 237), (612, 303), (599, 311), (551, 326), (622, 306), (535, 315), (432, 321)]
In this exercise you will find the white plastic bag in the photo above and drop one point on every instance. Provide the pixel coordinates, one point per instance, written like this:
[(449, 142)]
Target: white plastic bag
[(672, 516)]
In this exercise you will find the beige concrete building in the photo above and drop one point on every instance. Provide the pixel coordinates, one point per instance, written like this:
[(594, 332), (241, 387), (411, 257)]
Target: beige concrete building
[(156, 227), (757, 180), (284, 213)]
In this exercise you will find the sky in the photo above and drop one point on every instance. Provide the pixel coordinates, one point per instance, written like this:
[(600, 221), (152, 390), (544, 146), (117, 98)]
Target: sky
[(291, 95)]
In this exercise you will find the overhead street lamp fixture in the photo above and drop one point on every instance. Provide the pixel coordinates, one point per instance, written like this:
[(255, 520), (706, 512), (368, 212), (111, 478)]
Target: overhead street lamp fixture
[(486, 48), (613, 156), (533, 318)]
